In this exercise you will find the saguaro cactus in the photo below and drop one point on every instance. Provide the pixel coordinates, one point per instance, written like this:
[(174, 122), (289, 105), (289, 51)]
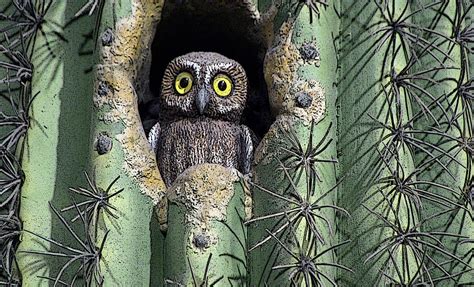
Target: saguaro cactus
[(400, 121), (362, 172)]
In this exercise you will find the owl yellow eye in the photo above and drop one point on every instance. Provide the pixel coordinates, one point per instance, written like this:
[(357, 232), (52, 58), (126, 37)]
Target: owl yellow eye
[(183, 83), (222, 85)]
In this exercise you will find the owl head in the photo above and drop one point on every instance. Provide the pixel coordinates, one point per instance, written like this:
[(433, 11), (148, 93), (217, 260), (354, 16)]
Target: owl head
[(203, 84)]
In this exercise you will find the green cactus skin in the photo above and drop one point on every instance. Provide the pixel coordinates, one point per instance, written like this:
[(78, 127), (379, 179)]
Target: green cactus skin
[(64, 89), (357, 69)]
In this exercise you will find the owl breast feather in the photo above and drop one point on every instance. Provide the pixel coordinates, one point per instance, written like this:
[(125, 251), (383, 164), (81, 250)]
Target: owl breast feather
[(189, 142)]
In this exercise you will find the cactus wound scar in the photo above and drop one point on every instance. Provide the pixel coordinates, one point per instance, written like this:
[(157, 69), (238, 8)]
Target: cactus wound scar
[(282, 63), (205, 191), (123, 65), (290, 96)]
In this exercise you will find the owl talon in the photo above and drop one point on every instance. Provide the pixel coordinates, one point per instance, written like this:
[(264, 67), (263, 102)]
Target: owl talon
[(162, 213), (248, 177)]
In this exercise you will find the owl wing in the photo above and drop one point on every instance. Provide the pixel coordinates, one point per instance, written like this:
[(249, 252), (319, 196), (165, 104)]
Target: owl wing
[(154, 136), (246, 149)]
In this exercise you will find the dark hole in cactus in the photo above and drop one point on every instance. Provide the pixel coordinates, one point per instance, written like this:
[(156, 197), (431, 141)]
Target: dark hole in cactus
[(226, 28)]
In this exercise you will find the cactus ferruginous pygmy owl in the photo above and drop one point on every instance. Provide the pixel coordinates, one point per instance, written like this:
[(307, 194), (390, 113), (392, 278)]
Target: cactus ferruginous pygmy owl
[(202, 98)]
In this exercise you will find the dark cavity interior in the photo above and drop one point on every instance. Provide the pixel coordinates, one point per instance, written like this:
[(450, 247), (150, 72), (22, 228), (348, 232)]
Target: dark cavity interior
[(225, 28)]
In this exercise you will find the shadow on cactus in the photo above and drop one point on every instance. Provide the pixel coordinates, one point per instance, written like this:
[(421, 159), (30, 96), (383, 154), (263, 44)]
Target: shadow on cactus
[(18, 33), (422, 134), (16, 119), (462, 33), (28, 19), (383, 36), (11, 179), (397, 182), (409, 243), (395, 27), (90, 7), (10, 229), (83, 262), (242, 277), (307, 160), (18, 68), (397, 133), (299, 161), (314, 7)]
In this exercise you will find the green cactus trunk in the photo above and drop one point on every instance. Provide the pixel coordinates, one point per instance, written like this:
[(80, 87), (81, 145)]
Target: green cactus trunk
[(206, 240), (131, 234), (458, 125), (63, 88), (367, 192), (363, 175), (294, 213)]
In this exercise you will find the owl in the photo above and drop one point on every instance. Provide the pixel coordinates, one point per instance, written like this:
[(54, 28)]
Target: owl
[(203, 95)]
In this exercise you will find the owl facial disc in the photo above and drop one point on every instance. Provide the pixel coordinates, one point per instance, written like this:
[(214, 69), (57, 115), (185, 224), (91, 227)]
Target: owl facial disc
[(202, 100), (203, 85)]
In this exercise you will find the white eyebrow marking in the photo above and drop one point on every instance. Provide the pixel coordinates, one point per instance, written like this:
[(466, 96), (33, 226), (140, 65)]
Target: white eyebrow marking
[(195, 66), (210, 70)]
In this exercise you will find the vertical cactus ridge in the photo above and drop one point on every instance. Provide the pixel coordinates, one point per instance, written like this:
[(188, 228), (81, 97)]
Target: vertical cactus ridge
[(82, 262), (15, 97), (293, 239), (29, 31), (453, 131)]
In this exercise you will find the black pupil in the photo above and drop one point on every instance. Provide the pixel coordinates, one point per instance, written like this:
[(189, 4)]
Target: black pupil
[(183, 83), (222, 85)]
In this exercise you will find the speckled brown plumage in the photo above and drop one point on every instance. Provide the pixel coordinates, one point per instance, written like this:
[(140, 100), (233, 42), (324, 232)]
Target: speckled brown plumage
[(196, 141), (186, 135)]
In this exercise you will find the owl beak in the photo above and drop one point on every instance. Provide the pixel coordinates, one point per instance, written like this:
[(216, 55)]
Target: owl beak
[(201, 100)]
